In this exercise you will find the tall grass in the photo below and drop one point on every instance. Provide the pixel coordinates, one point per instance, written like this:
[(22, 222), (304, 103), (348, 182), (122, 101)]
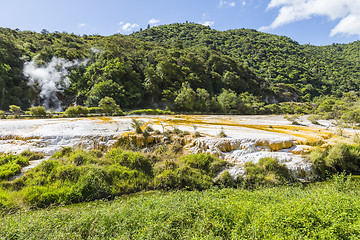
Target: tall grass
[(320, 211)]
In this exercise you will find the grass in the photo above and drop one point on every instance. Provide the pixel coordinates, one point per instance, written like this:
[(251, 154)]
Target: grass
[(320, 211), (80, 194)]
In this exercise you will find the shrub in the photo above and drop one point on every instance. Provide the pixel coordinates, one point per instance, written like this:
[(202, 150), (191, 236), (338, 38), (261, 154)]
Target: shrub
[(80, 157), (225, 180), (343, 157), (32, 155), (47, 166), (16, 110), (64, 152), (93, 185), (68, 172), (38, 111), (109, 106), (222, 133), (268, 171), (44, 196), (209, 164), (8, 170), (94, 110), (314, 119), (183, 178), (130, 159), (320, 167), (10, 165), (124, 180), (76, 111), (2, 114)]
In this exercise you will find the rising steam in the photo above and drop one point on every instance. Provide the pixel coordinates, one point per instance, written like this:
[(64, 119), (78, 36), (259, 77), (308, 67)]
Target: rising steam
[(50, 79)]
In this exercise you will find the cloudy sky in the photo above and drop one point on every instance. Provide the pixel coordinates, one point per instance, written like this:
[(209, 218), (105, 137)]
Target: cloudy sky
[(318, 22)]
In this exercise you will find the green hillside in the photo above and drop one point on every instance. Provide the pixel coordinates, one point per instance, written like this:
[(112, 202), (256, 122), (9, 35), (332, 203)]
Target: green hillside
[(184, 67), (311, 70), (134, 72)]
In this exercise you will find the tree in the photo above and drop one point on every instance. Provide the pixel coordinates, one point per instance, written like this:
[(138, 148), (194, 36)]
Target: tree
[(105, 88), (203, 100), (228, 100), (185, 99), (109, 106)]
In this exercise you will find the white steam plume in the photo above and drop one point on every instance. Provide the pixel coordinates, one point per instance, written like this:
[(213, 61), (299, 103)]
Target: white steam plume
[(50, 79)]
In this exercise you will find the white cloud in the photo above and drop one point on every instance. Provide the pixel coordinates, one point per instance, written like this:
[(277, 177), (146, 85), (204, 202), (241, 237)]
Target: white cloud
[(226, 4), (208, 23), (243, 3), (348, 11), (82, 25), (153, 21), (127, 27)]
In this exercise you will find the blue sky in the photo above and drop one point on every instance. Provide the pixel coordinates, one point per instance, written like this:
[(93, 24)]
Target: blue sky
[(318, 22)]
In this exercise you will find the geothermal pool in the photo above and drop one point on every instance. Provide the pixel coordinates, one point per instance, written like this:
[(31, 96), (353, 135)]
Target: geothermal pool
[(249, 138)]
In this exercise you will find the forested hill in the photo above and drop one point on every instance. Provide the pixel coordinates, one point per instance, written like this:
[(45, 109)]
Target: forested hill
[(312, 70), (134, 72), (185, 67)]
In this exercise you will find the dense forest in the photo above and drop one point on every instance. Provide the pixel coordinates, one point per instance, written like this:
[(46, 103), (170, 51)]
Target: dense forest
[(181, 67)]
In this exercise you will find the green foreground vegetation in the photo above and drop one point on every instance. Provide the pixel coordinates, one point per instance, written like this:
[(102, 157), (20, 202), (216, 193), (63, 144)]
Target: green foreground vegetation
[(327, 210), (157, 192)]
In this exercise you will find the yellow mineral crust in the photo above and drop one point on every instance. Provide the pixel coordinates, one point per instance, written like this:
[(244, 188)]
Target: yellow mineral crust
[(303, 135)]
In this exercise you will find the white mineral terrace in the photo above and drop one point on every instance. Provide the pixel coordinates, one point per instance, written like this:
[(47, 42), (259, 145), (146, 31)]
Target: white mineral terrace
[(249, 138)]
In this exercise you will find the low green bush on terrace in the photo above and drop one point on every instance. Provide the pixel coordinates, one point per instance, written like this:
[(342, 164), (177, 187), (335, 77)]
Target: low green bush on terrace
[(10, 165), (75, 175), (341, 157)]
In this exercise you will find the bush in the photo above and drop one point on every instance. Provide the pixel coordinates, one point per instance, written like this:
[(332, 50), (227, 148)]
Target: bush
[(314, 119), (209, 164), (80, 157), (132, 160), (268, 171), (320, 167), (64, 152), (10, 165), (124, 180), (9, 170), (2, 114), (16, 110), (343, 157), (38, 111), (68, 172), (183, 178), (93, 185), (94, 110), (109, 107), (225, 180), (76, 111), (32, 155)]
